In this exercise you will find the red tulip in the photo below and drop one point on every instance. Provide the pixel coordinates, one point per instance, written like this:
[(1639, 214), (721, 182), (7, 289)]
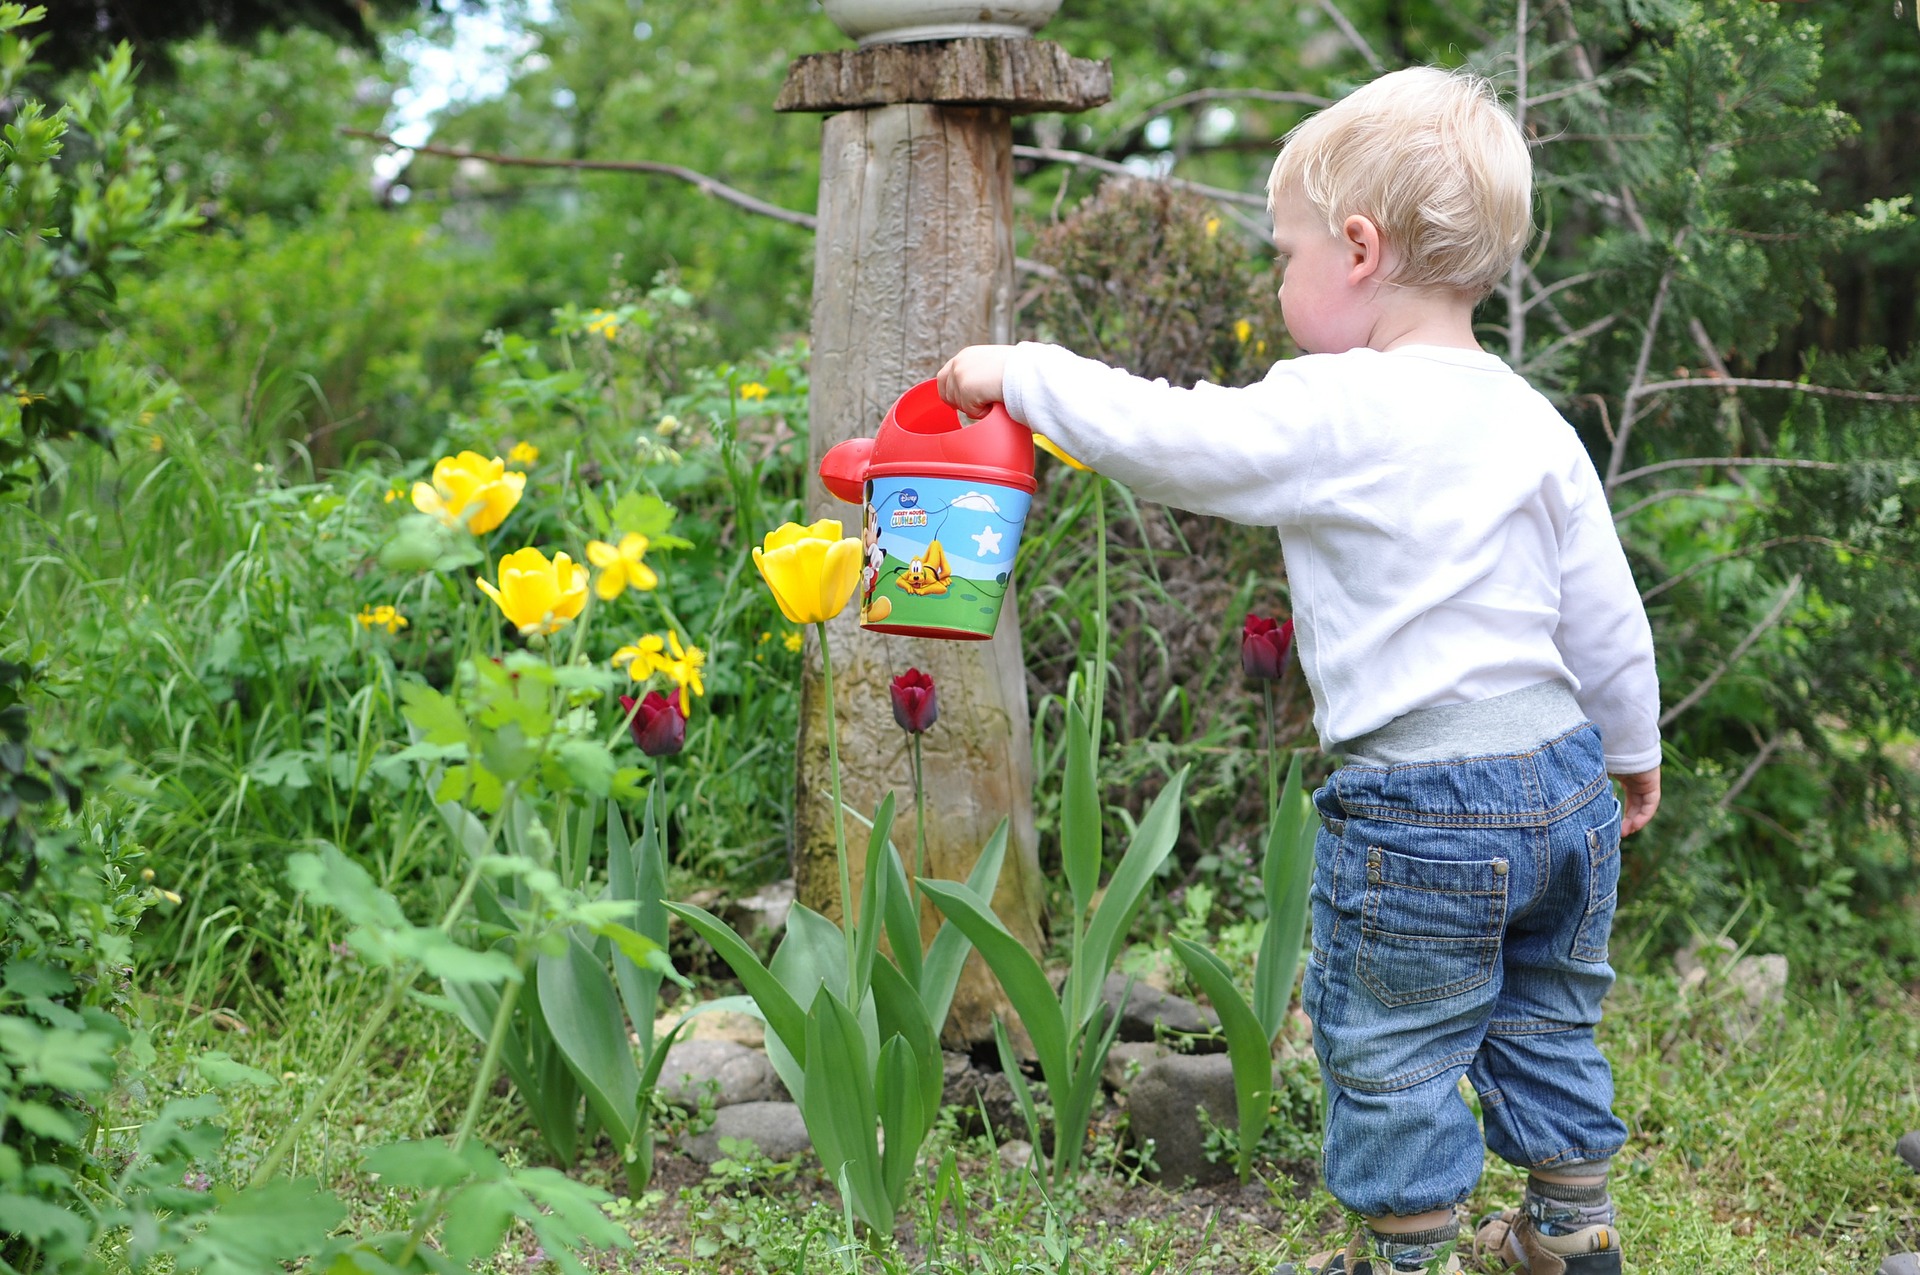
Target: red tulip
[(915, 704), (657, 724), (1264, 646)]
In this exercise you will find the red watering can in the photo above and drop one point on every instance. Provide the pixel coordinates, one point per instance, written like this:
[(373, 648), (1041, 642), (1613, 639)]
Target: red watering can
[(944, 503)]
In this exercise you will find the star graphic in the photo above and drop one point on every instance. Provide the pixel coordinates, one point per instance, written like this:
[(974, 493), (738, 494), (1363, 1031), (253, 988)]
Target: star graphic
[(989, 542)]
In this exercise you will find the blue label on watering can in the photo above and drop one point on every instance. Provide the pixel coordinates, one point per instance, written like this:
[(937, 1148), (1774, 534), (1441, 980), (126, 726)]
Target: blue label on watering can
[(939, 555)]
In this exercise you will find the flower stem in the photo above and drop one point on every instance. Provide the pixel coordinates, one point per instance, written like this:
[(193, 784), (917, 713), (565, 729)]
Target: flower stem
[(839, 816), (920, 823), (1273, 755)]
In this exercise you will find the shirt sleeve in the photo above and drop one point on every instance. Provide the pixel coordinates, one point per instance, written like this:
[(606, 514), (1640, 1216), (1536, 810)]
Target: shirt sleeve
[(1230, 453), (1604, 637)]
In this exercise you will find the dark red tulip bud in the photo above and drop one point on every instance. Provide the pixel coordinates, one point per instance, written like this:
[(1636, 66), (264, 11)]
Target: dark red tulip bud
[(1264, 645), (657, 724), (915, 705)]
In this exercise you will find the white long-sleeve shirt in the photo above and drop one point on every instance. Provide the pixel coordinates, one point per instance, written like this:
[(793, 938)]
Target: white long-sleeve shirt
[(1446, 536)]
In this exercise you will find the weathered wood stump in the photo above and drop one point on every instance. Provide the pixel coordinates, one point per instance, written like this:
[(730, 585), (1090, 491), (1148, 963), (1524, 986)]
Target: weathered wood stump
[(914, 259)]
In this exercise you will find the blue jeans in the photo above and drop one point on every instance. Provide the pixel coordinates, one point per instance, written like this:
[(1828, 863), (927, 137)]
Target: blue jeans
[(1460, 919)]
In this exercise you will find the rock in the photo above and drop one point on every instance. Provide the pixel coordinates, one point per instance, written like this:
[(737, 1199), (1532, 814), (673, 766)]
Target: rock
[(1127, 1059), (774, 1127), (1016, 1154), (1760, 980), (1908, 1149), (742, 1029), (727, 1070), (1148, 1011), (1693, 961), (766, 909), (1164, 1108), (1901, 1264), (983, 1099)]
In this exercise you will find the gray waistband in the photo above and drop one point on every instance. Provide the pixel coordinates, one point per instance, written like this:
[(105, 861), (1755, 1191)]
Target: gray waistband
[(1504, 724)]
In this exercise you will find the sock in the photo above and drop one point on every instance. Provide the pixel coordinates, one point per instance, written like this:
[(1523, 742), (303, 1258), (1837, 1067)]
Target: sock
[(1416, 1250), (1561, 1208)]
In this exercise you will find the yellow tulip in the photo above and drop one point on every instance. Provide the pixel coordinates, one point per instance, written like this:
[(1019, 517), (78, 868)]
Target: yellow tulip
[(811, 570), (538, 596), (470, 491), (620, 566), (1052, 449)]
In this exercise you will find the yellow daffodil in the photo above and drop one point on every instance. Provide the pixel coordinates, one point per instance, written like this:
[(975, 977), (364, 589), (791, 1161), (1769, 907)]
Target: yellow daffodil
[(620, 566), (811, 570), (538, 596), (1242, 330), (524, 454), (684, 669), (381, 617), (793, 641), (642, 659), (470, 491), (753, 391), (1048, 446)]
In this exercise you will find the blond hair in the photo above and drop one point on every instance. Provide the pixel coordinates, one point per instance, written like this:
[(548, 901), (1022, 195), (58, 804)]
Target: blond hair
[(1431, 158)]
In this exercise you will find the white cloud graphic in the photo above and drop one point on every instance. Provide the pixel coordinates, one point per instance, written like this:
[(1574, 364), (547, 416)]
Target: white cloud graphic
[(976, 500)]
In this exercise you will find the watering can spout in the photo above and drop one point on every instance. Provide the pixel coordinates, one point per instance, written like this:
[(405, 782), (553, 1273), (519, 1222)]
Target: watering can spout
[(843, 469)]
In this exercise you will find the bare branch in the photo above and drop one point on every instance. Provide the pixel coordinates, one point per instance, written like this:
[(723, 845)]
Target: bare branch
[(1571, 281), (1760, 759), (1753, 635), (1734, 555), (1599, 325), (1570, 90), (1080, 159), (705, 184), (1672, 493), (1354, 38), (1517, 272), (1755, 383), (1628, 405), (1730, 462), (1198, 96)]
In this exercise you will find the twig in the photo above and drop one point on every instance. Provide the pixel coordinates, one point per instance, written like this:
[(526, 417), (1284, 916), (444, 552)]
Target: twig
[(1198, 96), (1517, 272), (1599, 325), (1772, 618), (1756, 383), (705, 184), (1354, 37), (1669, 493), (1730, 462), (1734, 555), (1080, 159), (1571, 281), (1739, 785), (1627, 404)]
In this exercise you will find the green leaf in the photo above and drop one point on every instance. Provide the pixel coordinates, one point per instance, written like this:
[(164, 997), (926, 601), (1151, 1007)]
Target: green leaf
[(903, 1114), (643, 513), (776, 1004), (46, 1122), (901, 918), (1019, 973), (259, 1228), (1249, 1045), (282, 770), (947, 954), (451, 963), (898, 1012), (1126, 891), (840, 1111), (477, 1220), (47, 1225), (428, 1164), (1080, 836), (437, 717), (866, 929), (582, 1010), (332, 879), (1288, 873), (26, 978), (222, 1072), (588, 764)]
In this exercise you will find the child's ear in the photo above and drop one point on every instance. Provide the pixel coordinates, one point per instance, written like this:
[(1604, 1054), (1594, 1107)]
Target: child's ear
[(1365, 250)]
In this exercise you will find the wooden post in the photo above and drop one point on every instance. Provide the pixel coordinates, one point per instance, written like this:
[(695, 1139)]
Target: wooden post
[(914, 259)]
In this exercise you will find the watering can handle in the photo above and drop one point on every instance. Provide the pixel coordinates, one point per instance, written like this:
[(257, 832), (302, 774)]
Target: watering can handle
[(843, 469)]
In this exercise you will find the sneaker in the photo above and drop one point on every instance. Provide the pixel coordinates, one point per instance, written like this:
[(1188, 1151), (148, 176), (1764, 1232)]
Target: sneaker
[(1353, 1260), (1510, 1237)]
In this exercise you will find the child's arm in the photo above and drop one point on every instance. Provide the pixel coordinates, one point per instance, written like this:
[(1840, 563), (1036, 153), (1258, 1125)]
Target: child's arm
[(1235, 453)]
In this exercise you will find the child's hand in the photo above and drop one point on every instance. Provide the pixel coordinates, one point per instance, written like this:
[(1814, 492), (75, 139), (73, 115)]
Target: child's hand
[(1639, 798), (972, 379)]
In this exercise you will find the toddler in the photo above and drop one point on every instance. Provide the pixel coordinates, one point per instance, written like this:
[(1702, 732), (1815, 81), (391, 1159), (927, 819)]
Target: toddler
[(1477, 653)]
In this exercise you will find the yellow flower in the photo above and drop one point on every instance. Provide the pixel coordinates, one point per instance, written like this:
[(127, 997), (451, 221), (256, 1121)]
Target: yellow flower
[(470, 491), (668, 426), (1048, 446), (393, 494), (642, 659), (603, 323), (766, 636), (1213, 227), (524, 454), (753, 391), (811, 570), (381, 617), (538, 596), (155, 443), (620, 567), (684, 668), (794, 641), (1242, 330)]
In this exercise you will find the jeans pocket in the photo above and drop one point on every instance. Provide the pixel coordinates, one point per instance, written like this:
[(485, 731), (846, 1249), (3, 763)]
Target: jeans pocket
[(1603, 890), (1429, 928)]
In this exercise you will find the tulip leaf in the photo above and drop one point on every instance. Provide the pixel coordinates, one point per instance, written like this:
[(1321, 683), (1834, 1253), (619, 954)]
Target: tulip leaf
[(1080, 812), (947, 954), (898, 1012), (582, 1011), (902, 915), (777, 1006), (1249, 1046), (903, 1114), (866, 929), (1288, 873), (636, 873), (840, 1110), (1020, 976), (1022, 1091), (554, 1101), (1126, 891)]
